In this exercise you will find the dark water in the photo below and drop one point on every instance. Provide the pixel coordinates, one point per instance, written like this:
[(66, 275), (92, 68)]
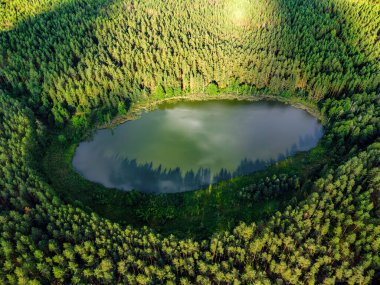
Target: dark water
[(186, 146)]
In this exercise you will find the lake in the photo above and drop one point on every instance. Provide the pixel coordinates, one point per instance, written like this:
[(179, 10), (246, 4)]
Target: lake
[(189, 145)]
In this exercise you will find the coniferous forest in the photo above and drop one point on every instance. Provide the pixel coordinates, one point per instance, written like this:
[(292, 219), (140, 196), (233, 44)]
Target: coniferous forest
[(70, 66)]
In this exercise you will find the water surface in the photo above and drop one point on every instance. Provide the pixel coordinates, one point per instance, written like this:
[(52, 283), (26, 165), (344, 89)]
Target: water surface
[(185, 146)]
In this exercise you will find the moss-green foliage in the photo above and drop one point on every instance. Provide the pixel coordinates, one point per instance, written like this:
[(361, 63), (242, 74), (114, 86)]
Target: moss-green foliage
[(212, 89), (72, 62), (118, 51), (197, 214), (331, 236), (269, 188)]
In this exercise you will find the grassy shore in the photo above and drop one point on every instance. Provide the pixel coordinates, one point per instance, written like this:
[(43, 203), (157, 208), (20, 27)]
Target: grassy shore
[(195, 214), (138, 108)]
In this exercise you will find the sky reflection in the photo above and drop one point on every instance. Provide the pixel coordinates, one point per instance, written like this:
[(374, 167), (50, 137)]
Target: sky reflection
[(203, 142)]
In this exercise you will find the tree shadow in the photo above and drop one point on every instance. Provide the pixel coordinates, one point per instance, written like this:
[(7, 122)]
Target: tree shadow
[(39, 49), (333, 46), (61, 62)]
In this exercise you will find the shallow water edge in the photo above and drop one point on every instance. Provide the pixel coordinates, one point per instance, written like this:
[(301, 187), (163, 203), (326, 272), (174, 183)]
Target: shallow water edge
[(173, 102), (137, 109)]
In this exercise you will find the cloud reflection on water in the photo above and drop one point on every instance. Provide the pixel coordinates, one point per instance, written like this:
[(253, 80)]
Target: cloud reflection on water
[(194, 144)]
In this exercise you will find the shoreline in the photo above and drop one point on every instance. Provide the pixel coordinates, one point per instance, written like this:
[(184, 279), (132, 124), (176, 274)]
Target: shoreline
[(125, 207), (137, 109)]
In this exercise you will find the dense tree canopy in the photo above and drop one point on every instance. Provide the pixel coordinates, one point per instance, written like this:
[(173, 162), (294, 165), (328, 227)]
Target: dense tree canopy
[(85, 54), (68, 63)]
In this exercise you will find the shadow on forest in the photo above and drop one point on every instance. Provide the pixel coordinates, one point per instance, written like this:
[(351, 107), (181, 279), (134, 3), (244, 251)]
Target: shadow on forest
[(41, 48), (54, 42)]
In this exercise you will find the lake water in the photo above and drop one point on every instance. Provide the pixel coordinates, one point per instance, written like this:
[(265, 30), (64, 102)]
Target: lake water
[(185, 146)]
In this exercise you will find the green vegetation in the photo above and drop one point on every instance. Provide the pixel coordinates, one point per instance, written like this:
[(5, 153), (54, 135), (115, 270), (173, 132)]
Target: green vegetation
[(118, 52), (68, 65), (191, 214)]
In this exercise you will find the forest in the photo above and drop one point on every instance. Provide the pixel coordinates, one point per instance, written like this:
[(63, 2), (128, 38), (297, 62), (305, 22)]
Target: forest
[(70, 66)]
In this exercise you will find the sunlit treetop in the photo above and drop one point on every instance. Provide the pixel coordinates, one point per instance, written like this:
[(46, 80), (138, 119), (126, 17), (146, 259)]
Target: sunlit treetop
[(248, 13), (14, 11)]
